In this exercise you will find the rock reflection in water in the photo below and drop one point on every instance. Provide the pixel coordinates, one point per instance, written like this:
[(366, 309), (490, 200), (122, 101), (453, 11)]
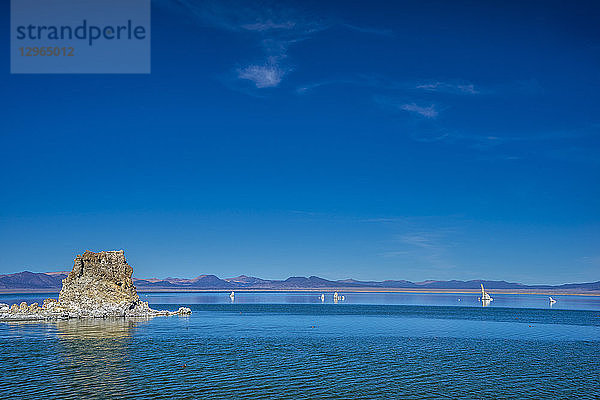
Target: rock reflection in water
[(94, 356), (97, 328)]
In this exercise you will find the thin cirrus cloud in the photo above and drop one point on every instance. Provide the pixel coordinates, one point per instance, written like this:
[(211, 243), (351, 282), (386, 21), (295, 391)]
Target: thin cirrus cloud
[(242, 16), (427, 112), (267, 25), (263, 76), (374, 31), (276, 28), (361, 80), (419, 239), (449, 87), (407, 87), (421, 242), (427, 248), (424, 104)]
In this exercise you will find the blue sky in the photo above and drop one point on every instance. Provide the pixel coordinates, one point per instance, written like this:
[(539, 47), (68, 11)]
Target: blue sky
[(374, 140)]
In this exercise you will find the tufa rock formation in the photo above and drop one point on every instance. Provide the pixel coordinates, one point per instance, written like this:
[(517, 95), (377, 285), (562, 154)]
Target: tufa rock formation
[(99, 286), (100, 281)]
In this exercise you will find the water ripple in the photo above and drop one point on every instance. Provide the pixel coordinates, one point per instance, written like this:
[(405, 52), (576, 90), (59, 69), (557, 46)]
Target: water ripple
[(306, 352)]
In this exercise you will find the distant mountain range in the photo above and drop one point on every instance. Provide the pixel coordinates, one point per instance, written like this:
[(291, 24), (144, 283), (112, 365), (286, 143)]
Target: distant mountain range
[(53, 281)]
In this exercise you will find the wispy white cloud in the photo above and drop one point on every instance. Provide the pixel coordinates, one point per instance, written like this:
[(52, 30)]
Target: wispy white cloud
[(419, 239), (422, 242), (428, 126), (389, 254), (263, 76), (422, 123), (275, 26), (449, 87), (263, 26), (407, 87), (338, 81), (276, 36), (359, 80), (427, 112), (425, 247), (243, 16), (593, 260)]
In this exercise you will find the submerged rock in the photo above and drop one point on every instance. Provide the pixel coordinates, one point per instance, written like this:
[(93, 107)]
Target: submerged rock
[(99, 286)]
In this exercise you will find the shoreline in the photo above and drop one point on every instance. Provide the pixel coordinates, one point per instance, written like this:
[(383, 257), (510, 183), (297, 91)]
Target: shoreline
[(594, 293)]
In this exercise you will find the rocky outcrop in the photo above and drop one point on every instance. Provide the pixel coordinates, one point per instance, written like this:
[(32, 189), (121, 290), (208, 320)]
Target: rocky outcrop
[(99, 286)]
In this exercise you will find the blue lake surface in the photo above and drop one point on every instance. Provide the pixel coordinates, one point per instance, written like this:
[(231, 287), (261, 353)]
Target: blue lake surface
[(290, 345)]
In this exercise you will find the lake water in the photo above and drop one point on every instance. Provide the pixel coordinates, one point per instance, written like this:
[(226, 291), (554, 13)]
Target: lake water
[(291, 346)]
